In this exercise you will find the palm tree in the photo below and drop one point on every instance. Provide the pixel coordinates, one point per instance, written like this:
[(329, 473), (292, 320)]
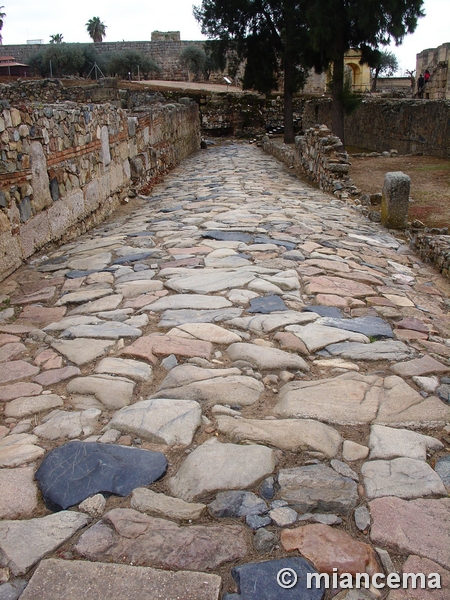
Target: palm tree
[(57, 38), (96, 29), (2, 16)]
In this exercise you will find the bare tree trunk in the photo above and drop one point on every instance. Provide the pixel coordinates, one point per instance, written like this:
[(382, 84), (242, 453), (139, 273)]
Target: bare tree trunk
[(374, 81), (288, 95), (337, 109)]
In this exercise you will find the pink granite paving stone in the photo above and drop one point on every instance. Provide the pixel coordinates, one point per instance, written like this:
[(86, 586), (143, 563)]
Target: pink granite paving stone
[(419, 366), (12, 351), (6, 338), (414, 324), (150, 345), (416, 564), (42, 316), (419, 527), (408, 334), (339, 286), (16, 369), (43, 295), (16, 390), (48, 359), (53, 376)]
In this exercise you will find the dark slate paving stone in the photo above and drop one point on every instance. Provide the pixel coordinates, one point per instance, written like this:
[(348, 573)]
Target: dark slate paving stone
[(229, 236), (13, 589), (442, 468), (53, 264), (77, 470), (267, 489), (76, 274), (265, 239), (370, 326), (266, 304), (131, 258), (236, 503), (443, 392), (325, 311), (256, 521), (258, 581)]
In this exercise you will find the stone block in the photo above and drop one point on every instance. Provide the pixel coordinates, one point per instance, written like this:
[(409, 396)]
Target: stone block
[(40, 181), (395, 200), (34, 234)]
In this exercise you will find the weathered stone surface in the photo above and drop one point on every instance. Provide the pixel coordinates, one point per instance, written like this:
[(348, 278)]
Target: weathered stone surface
[(173, 318), (112, 330), (30, 405), (373, 327), (93, 506), (316, 336), (204, 283), (127, 535), (268, 323), (214, 466), (56, 375), (112, 392), (266, 358), (83, 296), (283, 516), (419, 527), (161, 505), (266, 304), (401, 477), (419, 366), (362, 518), (382, 350), (338, 286), (110, 302), (218, 386), (264, 541), (75, 471), (149, 346), (82, 350), (343, 469), (258, 581), (317, 487), (11, 351), (236, 504), (207, 332), (353, 398), (21, 388), (23, 543), (134, 369), (18, 449), (386, 442), (16, 369), (329, 548), (160, 420), (192, 301), (19, 493), (287, 434), (62, 424), (416, 564), (55, 579), (442, 468)]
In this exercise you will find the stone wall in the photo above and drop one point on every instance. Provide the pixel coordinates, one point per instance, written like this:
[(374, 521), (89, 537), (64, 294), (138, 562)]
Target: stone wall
[(436, 60), (318, 156), (48, 91), (165, 53), (66, 167), (409, 126), (434, 249)]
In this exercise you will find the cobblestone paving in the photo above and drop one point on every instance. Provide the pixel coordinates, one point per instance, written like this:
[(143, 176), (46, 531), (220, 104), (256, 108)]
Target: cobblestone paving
[(238, 375)]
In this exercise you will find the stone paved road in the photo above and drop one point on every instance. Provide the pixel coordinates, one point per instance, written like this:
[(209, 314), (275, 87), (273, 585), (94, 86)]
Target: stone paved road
[(240, 371)]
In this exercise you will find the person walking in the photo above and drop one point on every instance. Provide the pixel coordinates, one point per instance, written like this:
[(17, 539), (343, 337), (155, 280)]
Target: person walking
[(420, 84)]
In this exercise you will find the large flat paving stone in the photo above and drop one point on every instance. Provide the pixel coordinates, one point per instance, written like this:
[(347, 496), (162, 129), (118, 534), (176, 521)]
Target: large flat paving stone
[(23, 543), (258, 581), (374, 327), (338, 286), (31, 405), (386, 442), (207, 332), (19, 493), (416, 564), (82, 350), (113, 330), (160, 420), (125, 535), (266, 358), (328, 548), (217, 386), (135, 369), (402, 477), (112, 392), (75, 471), (214, 466), (268, 323), (16, 369), (161, 505), (62, 424), (420, 527), (56, 579), (316, 336), (150, 346), (317, 487), (205, 283), (382, 350), (173, 318), (353, 398), (18, 449), (287, 434), (193, 301)]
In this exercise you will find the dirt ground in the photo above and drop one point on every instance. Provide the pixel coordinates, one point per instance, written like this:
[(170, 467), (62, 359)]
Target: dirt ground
[(430, 183)]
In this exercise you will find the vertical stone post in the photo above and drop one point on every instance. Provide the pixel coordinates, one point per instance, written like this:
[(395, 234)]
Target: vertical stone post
[(395, 200)]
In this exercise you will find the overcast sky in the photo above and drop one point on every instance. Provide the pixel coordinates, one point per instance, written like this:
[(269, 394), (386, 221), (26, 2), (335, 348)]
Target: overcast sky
[(134, 21)]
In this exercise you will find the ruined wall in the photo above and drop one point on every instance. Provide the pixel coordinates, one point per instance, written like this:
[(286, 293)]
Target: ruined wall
[(65, 167), (436, 60), (318, 156), (48, 91), (409, 126)]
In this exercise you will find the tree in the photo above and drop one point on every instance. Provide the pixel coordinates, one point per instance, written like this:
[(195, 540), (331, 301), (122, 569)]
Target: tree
[(272, 37), (57, 38), (384, 62), (338, 25), (2, 16), (96, 29), (130, 61), (194, 60)]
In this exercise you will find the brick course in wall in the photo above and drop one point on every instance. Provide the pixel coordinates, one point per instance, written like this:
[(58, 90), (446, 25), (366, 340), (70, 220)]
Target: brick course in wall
[(65, 167)]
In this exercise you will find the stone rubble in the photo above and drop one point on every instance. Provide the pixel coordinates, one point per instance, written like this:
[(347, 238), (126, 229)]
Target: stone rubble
[(237, 363)]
